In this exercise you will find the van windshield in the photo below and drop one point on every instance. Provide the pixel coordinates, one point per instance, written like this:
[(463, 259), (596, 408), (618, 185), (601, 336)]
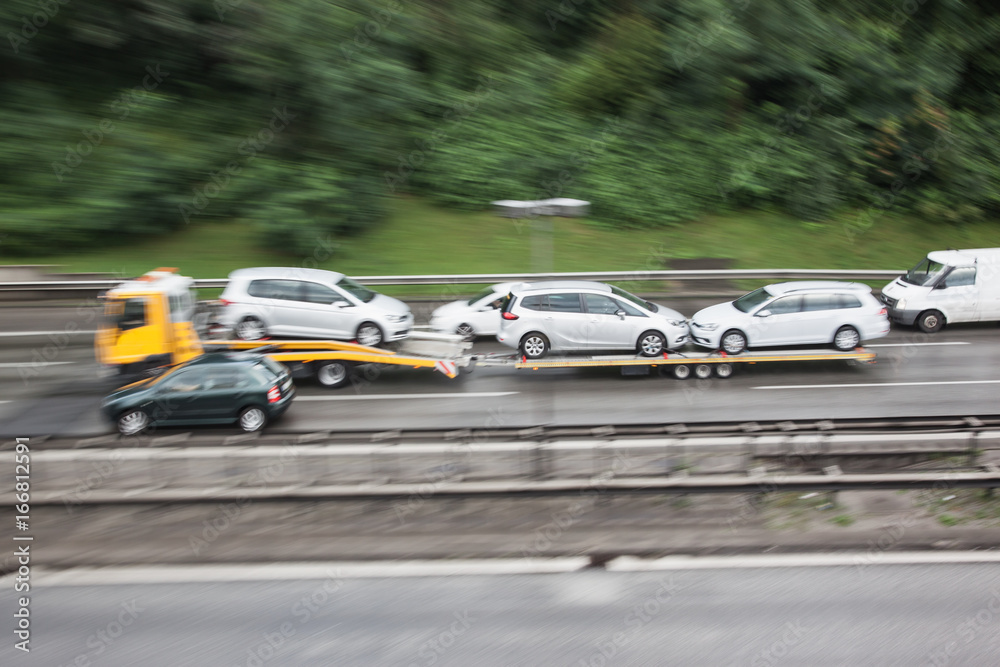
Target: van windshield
[(924, 273), (748, 302), (360, 291)]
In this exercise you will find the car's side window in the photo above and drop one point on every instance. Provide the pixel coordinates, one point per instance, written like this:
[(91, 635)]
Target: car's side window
[(536, 302), (565, 303), (629, 309), (221, 379), (849, 301), (785, 305), (316, 293), (965, 275), (600, 304), (184, 381), (813, 302), (287, 290)]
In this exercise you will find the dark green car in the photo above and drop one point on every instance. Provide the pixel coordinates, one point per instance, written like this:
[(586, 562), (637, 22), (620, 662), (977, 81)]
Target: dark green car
[(219, 387)]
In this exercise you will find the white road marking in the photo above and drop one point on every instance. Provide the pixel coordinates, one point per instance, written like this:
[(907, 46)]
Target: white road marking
[(876, 384), (856, 559), (168, 574), (401, 397), (917, 344), (13, 334), (33, 364)]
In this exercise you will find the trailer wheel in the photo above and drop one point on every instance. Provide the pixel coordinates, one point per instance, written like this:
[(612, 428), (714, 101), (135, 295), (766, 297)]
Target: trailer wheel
[(734, 341), (930, 321), (534, 346), (703, 371), (723, 370), (682, 371), (332, 374)]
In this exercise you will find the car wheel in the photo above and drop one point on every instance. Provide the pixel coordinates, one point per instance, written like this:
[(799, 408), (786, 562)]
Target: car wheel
[(133, 422), (466, 331), (333, 374), (734, 341), (930, 321), (651, 344), (250, 328), (846, 338), (252, 419), (369, 334), (534, 346)]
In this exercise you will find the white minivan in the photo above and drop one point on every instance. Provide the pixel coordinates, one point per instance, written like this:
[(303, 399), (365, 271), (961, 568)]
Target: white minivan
[(947, 286)]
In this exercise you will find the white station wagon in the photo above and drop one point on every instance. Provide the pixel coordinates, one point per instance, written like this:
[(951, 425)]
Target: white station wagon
[(813, 312)]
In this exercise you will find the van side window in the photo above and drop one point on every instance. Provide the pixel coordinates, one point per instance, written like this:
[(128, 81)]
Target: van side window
[(963, 275), (565, 303), (785, 305), (813, 302)]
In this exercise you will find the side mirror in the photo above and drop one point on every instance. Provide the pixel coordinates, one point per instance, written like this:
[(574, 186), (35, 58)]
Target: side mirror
[(941, 285), (620, 313), (763, 313), (340, 303)]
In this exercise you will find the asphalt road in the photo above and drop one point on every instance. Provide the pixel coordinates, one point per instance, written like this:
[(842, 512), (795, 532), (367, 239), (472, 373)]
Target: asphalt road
[(954, 372), (819, 616)]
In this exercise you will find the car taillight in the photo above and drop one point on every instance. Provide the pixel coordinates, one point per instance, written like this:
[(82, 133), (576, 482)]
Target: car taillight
[(225, 302), (883, 312), (273, 394), (509, 316)]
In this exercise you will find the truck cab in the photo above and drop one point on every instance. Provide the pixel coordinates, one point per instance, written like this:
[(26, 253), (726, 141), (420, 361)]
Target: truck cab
[(148, 323), (947, 286)]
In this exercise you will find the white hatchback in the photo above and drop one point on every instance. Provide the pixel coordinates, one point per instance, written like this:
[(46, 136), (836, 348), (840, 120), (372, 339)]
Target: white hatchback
[(313, 303), (813, 312), (478, 316)]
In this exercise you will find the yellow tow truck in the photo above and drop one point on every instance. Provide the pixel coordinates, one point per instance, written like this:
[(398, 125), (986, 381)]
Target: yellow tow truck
[(149, 323)]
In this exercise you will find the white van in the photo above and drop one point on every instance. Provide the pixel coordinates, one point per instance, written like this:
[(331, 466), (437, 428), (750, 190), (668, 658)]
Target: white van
[(947, 286)]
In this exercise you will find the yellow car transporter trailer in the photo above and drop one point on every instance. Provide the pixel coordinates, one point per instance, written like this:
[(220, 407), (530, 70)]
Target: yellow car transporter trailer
[(681, 365), (148, 324)]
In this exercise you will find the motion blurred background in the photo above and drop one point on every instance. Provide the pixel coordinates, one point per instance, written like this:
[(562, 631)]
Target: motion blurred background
[(308, 120)]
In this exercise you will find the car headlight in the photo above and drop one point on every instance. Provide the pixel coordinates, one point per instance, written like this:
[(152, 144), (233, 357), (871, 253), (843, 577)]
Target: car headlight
[(397, 318), (677, 323), (901, 304), (706, 327)]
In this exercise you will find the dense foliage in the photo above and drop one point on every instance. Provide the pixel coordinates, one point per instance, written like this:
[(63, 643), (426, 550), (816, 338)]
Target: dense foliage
[(121, 118)]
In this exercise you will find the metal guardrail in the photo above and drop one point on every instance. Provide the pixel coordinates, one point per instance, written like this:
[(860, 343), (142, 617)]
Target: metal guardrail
[(488, 278)]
